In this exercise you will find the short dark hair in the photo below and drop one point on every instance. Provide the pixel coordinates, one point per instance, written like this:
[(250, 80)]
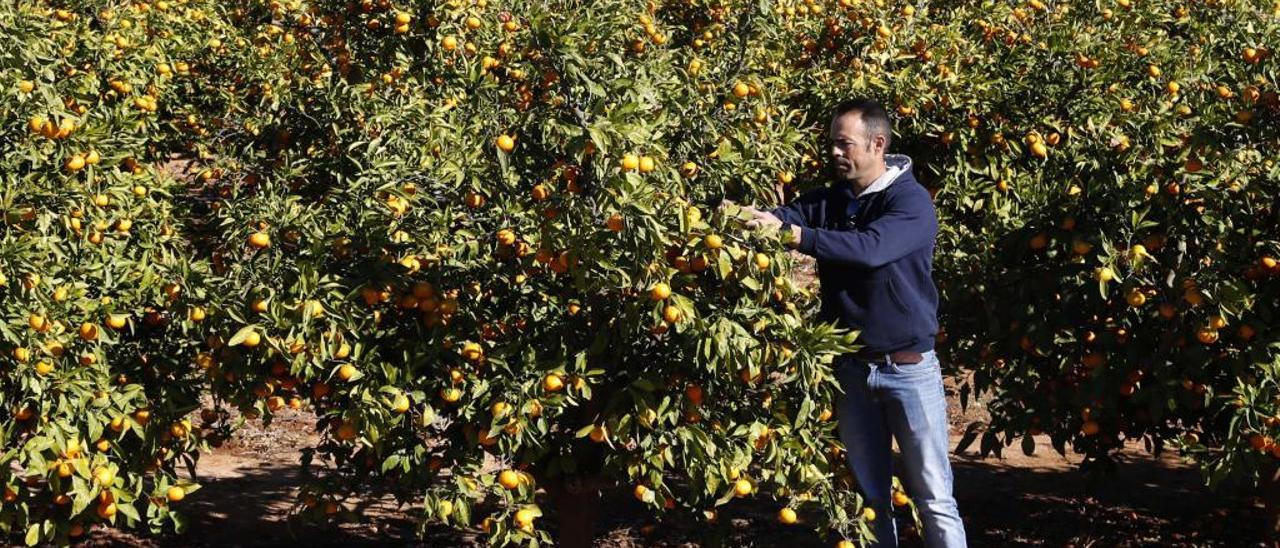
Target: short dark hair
[(874, 118)]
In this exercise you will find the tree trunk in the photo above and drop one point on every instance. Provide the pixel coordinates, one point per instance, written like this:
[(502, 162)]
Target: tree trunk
[(577, 502)]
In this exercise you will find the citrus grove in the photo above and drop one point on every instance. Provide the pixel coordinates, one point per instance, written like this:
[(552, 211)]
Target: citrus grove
[(480, 240)]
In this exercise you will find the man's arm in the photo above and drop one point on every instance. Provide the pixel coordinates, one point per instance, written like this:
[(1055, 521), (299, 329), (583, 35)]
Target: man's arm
[(909, 223)]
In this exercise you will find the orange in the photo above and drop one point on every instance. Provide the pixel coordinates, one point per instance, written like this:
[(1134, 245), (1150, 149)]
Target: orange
[(742, 487), (741, 90), (524, 518), (175, 494), (646, 164), (346, 372), (787, 516), (107, 511), (88, 332), (400, 404), (450, 395), (868, 513), (260, 240), (506, 143), (630, 162), (599, 434), (1090, 428), (660, 291), (671, 314), (713, 241), (762, 261), (75, 162), (509, 479), (900, 499), (552, 382), (615, 223)]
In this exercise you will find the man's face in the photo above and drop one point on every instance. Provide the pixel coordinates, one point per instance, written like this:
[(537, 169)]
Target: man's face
[(851, 153)]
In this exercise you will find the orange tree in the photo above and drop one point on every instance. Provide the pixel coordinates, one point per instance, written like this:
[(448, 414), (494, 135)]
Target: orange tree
[(1107, 260), (483, 242), (95, 278)]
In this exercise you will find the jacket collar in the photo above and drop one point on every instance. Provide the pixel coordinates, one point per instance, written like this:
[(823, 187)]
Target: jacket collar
[(896, 165)]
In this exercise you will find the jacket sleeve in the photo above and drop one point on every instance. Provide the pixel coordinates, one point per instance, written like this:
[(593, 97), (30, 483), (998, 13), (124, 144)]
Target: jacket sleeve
[(908, 223)]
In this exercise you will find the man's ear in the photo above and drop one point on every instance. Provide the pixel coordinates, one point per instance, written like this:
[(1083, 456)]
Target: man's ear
[(879, 143)]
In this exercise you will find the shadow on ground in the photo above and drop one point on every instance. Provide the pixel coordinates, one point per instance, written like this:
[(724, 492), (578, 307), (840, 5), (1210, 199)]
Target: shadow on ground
[(1019, 501)]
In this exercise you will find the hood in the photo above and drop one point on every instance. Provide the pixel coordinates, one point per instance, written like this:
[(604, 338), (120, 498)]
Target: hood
[(896, 165)]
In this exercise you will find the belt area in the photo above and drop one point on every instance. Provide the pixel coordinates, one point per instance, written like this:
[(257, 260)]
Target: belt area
[(902, 357)]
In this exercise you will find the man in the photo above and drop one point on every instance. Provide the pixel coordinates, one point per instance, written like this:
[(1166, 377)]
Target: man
[(872, 232)]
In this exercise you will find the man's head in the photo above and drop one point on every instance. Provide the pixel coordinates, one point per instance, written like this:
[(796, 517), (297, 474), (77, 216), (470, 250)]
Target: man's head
[(860, 134)]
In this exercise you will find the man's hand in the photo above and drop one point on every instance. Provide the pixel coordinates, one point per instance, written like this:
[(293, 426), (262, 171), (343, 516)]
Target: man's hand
[(761, 219), (764, 219)]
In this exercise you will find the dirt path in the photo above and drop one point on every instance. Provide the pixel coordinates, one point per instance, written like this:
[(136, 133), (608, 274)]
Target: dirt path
[(1040, 500)]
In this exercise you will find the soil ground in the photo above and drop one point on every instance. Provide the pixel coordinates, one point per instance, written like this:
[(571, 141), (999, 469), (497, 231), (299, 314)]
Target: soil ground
[(1018, 500)]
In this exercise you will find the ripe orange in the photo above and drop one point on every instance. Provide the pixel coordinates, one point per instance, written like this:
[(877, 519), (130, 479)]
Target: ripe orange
[(506, 143), (900, 499), (671, 314), (1090, 428), (509, 479), (713, 241), (615, 222), (260, 240), (660, 291), (787, 516), (641, 492), (599, 434), (630, 162), (75, 162), (694, 393), (88, 332), (646, 164), (742, 487), (175, 494), (106, 511), (868, 513), (1207, 335), (524, 518), (346, 372), (552, 382), (450, 395), (740, 90), (762, 261)]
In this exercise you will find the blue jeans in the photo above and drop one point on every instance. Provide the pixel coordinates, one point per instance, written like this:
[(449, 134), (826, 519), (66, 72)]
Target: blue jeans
[(906, 401)]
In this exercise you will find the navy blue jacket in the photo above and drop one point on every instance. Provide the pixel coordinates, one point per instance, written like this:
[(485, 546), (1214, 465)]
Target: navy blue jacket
[(875, 258)]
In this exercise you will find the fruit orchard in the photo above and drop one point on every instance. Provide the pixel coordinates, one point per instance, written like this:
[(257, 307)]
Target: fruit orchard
[(480, 239)]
